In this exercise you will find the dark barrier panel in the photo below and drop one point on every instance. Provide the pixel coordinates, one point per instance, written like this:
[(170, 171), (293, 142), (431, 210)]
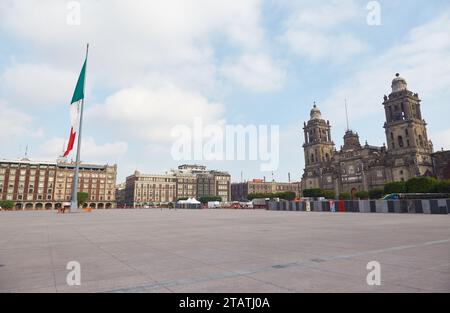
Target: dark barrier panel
[(326, 206), (391, 208), (434, 207), (404, 206), (373, 206), (354, 206), (418, 206)]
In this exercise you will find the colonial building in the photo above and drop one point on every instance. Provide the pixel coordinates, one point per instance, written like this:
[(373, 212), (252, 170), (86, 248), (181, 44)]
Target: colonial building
[(187, 181), (357, 167), (48, 185), (145, 189), (214, 183), (240, 191), (120, 195)]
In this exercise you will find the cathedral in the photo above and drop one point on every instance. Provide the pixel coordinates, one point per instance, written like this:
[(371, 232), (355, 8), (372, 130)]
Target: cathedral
[(356, 167)]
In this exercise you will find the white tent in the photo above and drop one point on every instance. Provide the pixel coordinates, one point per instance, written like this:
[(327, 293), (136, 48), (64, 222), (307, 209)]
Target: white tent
[(189, 201)]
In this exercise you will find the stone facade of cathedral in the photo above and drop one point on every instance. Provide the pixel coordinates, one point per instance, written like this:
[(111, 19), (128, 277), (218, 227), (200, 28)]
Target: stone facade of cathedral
[(357, 167)]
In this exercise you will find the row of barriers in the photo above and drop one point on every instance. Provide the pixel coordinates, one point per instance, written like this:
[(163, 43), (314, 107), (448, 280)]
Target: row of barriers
[(438, 206)]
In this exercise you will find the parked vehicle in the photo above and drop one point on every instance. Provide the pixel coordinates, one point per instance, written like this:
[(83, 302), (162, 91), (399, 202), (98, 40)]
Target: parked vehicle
[(260, 203)]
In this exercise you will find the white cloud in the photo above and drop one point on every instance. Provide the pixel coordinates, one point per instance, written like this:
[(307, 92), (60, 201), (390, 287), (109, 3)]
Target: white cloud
[(27, 84), (150, 114), (132, 41), (441, 140), (91, 151), (311, 31), (13, 124), (420, 59), (317, 45), (256, 72)]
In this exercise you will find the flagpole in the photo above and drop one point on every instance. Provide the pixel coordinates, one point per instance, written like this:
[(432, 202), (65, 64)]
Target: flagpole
[(74, 202)]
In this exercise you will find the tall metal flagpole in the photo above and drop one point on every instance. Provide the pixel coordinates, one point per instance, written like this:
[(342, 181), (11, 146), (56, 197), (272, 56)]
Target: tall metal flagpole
[(74, 202)]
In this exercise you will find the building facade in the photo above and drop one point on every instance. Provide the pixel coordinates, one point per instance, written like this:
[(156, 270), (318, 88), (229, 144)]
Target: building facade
[(240, 191), (214, 183), (357, 167), (33, 185), (120, 195), (147, 189), (188, 181), (441, 164)]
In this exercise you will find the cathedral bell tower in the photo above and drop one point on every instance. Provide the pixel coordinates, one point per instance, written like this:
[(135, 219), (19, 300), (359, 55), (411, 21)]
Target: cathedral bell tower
[(318, 147), (408, 146)]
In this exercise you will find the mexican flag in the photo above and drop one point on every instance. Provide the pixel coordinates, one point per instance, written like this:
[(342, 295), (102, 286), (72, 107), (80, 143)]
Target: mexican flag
[(75, 109)]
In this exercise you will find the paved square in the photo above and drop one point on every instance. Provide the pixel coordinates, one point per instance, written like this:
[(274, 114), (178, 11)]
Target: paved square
[(223, 251)]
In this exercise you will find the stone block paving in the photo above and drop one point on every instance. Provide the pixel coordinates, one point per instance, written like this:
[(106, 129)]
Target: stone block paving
[(223, 251)]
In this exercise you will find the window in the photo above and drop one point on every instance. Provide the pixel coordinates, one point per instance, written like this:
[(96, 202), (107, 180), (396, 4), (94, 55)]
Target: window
[(400, 141)]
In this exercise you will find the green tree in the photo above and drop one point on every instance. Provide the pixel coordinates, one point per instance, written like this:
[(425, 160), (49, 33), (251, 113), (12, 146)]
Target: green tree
[(182, 198), (421, 185), (377, 193), (395, 187), (287, 195), (207, 199), (443, 186), (82, 197), (7, 204), (345, 196), (363, 195), (329, 194), (313, 193)]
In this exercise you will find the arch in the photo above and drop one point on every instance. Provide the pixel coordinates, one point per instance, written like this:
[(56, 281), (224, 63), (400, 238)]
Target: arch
[(108, 206), (420, 141), (327, 157), (29, 206), (58, 205), (39, 206), (100, 206), (19, 206), (85, 205), (48, 206), (92, 205), (400, 141)]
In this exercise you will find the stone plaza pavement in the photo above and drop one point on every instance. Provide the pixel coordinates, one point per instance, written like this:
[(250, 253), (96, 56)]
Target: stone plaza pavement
[(223, 251)]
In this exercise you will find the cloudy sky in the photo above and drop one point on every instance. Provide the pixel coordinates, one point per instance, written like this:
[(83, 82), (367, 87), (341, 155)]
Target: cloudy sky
[(157, 64)]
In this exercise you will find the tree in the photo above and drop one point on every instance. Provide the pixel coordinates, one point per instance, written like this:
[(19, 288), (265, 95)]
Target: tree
[(182, 198), (421, 185), (287, 195), (443, 186), (313, 193), (345, 196), (7, 204), (395, 187), (363, 195), (377, 193), (82, 198), (207, 199), (329, 194)]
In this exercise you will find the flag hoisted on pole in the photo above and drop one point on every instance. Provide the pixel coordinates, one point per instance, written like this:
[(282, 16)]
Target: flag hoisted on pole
[(76, 121)]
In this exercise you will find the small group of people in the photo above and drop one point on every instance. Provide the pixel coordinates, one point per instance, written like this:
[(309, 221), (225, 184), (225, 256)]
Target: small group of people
[(61, 210)]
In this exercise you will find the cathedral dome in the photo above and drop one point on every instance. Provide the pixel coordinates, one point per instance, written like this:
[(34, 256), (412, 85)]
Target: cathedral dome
[(399, 83), (315, 113)]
